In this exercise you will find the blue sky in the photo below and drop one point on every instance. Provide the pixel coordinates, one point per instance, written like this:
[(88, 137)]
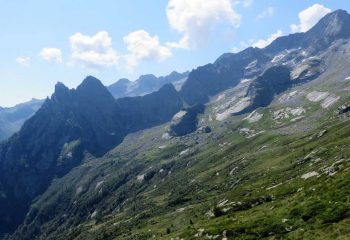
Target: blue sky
[(43, 42)]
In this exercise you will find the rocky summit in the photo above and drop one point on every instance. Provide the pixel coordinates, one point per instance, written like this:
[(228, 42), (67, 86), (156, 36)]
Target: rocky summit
[(71, 122), (252, 146)]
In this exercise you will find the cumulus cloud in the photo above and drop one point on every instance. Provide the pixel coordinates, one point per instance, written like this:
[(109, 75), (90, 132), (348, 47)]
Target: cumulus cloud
[(93, 51), (264, 42), (51, 54), (196, 19), (268, 12), (142, 46), (183, 43), (309, 17), (24, 61)]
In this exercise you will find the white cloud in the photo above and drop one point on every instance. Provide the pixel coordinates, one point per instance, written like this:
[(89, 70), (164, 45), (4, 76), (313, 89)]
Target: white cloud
[(294, 28), (196, 19), (51, 54), (247, 3), (268, 12), (183, 43), (264, 42), (242, 45), (309, 17), (93, 51), (142, 46), (24, 61)]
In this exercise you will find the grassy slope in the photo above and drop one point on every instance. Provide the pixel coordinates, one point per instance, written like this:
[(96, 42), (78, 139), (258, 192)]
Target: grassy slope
[(259, 177), (224, 185)]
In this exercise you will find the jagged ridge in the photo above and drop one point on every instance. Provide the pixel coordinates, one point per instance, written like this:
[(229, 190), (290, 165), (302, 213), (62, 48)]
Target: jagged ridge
[(54, 140)]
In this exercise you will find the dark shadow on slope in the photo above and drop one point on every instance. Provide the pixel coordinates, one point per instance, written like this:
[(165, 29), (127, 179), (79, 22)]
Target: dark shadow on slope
[(69, 124)]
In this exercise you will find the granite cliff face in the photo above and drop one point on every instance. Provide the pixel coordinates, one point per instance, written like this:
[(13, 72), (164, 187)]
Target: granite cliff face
[(229, 69), (226, 72), (69, 124)]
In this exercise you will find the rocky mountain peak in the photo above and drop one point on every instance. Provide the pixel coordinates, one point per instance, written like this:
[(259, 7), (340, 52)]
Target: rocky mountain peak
[(91, 85), (91, 92), (60, 88), (61, 93), (174, 73), (123, 81), (334, 25), (147, 76), (146, 81), (69, 124)]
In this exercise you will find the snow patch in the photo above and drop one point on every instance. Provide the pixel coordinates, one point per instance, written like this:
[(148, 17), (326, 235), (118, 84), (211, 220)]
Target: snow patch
[(178, 84), (297, 71), (253, 117), (288, 112), (239, 106), (245, 80), (220, 97), (251, 65), (287, 96), (297, 118), (329, 101), (166, 136), (179, 115), (326, 98), (278, 58), (316, 96), (297, 111)]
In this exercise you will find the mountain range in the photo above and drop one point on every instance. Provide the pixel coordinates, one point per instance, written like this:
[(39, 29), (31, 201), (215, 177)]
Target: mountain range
[(71, 122), (12, 118), (145, 84), (252, 146)]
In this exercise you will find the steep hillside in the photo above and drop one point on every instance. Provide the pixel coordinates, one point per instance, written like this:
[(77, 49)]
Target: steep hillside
[(230, 68), (226, 72), (68, 126), (230, 183), (253, 146)]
